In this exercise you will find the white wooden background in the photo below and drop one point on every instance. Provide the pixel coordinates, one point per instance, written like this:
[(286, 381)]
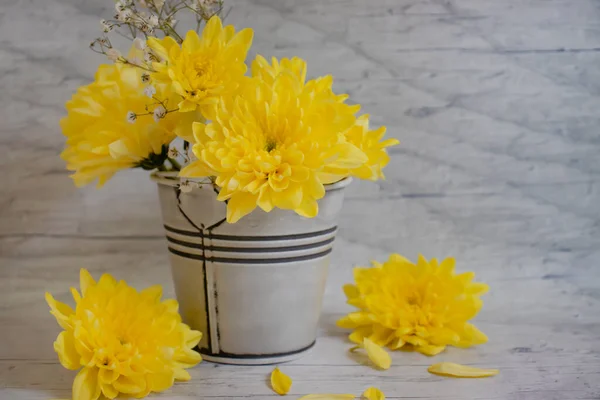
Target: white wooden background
[(496, 104)]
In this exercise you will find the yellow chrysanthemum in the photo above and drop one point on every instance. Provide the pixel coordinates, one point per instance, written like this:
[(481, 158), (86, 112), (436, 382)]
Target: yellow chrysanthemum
[(103, 135), (278, 142), (424, 306), (203, 69), (124, 341), (372, 144)]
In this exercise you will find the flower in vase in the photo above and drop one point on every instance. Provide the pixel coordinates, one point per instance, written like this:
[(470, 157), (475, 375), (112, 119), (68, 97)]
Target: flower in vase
[(110, 125), (372, 144), (424, 306), (123, 341), (271, 146), (204, 68)]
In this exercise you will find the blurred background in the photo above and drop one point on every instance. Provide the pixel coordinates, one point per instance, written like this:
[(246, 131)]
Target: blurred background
[(496, 105)]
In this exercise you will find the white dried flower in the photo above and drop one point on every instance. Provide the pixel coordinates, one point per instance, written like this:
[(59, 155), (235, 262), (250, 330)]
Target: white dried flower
[(120, 6), (150, 91), (145, 77), (144, 27), (153, 21), (113, 54), (142, 3), (131, 117), (205, 5), (187, 186), (173, 152), (159, 113), (106, 27), (159, 3), (139, 43), (149, 57), (125, 16)]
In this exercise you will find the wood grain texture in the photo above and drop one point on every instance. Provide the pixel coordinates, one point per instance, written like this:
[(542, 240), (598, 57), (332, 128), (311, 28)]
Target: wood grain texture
[(496, 105)]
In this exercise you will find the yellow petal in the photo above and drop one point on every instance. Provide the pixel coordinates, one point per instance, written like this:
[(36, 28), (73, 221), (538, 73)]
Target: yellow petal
[(396, 343), (280, 382), (327, 397), (107, 376), (355, 320), (65, 348), (187, 106), (239, 205), (161, 382), (182, 375), (130, 385), (191, 337), (430, 350), (109, 391), (377, 354), (196, 169), (107, 282), (188, 357), (309, 208), (346, 322), (76, 295), (373, 393), (153, 293), (61, 311), (351, 291), (85, 280), (397, 258), (360, 333), (85, 385), (460, 371)]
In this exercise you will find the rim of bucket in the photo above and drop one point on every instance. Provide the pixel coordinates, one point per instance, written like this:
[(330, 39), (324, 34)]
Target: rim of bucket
[(170, 178)]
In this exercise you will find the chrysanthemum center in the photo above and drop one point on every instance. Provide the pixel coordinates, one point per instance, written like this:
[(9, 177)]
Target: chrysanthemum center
[(271, 144), (202, 77), (201, 66), (413, 299)]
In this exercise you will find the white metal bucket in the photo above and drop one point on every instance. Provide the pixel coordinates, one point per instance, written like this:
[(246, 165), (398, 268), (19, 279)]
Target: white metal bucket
[(254, 288)]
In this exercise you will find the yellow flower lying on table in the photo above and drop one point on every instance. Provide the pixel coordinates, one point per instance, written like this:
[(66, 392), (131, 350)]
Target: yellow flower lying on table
[(281, 140), (112, 125), (124, 341), (424, 306)]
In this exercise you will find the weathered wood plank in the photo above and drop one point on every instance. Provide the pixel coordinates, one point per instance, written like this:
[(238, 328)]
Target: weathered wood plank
[(496, 105)]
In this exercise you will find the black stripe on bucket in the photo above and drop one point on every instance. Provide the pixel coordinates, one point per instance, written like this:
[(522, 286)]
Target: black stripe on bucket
[(250, 238), (250, 260), (229, 249), (253, 356)]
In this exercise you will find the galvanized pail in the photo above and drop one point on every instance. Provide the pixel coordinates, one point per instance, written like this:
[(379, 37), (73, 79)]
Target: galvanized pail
[(254, 288)]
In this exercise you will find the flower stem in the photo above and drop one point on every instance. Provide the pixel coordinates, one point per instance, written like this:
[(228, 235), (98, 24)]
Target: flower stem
[(175, 164)]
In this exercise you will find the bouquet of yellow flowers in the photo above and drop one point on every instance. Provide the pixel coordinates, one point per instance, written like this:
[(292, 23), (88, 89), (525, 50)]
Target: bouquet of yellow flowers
[(269, 138)]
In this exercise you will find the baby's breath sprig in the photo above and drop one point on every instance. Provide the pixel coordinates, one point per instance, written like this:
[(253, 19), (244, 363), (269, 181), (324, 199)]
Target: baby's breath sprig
[(158, 109), (205, 10), (146, 18)]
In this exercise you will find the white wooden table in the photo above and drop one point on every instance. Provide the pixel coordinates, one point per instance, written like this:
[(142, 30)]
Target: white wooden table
[(496, 104)]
